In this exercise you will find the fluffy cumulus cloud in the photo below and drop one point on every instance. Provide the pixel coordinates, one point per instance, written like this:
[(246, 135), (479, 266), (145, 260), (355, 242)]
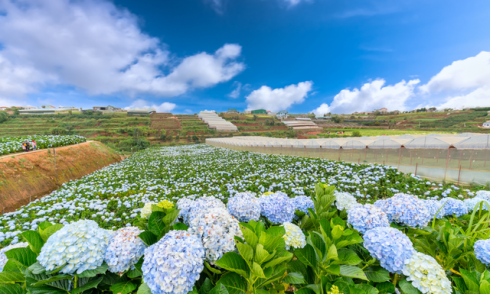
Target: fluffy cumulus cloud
[(164, 107), (98, 48), (278, 99), (464, 83), (370, 96)]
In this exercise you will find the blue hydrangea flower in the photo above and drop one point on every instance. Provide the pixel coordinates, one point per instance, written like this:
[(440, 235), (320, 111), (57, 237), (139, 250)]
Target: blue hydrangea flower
[(203, 204), (302, 203), (277, 208), (390, 246), (433, 206), (216, 229), (80, 246), (483, 194), (244, 206), (472, 202), (482, 251), (124, 250), (173, 264), (454, 206), (184, 205), (3, 257), (344, 200), (405, 209), (366, 217)]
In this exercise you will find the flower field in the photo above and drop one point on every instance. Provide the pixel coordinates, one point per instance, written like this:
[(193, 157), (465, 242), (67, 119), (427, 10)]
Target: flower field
[(14, 144), (198, 219)]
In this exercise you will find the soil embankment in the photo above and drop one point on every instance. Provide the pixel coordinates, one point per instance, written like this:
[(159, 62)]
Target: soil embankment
[(27, 176)]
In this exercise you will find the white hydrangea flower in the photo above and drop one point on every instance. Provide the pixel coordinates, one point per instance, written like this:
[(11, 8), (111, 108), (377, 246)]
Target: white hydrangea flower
[(146, 210), (217, 230), (124, 250), (294, 236), (426, 274), (344, 200), (79, 246)]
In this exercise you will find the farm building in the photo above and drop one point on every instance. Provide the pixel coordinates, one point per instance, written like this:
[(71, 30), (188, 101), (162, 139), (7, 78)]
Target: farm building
[(486, 124), (259, 111), (107, 108), (144, 111)]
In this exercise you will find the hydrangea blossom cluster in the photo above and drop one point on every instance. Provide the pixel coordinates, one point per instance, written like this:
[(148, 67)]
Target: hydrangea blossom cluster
[(3, 257), (165, 204), (173, 264), (277, 208), (366, 217), (454, 206), (204, 204), (405, 209), (185, 205), (472, 202), (80, 245), (426, 274), (217, 230), (483, 194), (433, 206), (146, 210), (390, 246), (244, 206), (302, 203), (294, 236), (344, 200), (482, 251), (124, 250)]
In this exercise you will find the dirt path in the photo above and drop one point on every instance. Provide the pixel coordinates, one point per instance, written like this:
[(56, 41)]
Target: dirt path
[(40, 150)]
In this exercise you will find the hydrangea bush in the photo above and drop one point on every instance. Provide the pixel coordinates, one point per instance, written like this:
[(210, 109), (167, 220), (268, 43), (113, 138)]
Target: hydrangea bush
[(434, 206), (482, 251), (277, 208), (173, 264), (390, 246), (124, 250), (78, 247), (146, 211), (244, 206), (454, 207), (302, 203), (344, 200)]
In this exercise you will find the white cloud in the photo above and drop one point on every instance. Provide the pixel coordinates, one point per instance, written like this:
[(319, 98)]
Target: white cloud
[(99, 48), (463, 74), (293, 2), (164, 107), (278, 99), (371, 96), (477, 98)]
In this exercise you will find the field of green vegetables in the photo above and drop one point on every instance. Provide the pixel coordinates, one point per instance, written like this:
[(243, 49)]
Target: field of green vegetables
[(199, 219), (14, 144)]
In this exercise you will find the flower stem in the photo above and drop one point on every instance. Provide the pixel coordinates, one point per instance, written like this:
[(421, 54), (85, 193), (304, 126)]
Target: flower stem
[(395, 279)]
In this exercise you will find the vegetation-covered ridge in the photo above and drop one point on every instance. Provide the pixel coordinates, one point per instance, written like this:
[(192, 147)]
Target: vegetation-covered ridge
[(14, 144), (178, 202)]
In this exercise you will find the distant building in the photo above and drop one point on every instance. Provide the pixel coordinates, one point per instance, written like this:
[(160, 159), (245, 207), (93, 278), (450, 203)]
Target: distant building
[(486, 124), (3, 108), (232, 110), (259, 111), (396, 112), (107, 108), (247, 112), (144, 111), (47, 107), (382, 110), (38, 111)]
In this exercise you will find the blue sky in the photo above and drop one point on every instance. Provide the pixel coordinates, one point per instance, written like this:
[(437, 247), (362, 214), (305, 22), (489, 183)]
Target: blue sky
[(192, 55)]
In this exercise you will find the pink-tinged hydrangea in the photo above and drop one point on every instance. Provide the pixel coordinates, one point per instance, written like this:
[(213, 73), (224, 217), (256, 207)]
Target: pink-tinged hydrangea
[(203, 204), (482, 251), (277, 208), (390, 246), (405, 209), (3, 257), (78, 247), (454, 206), (344, 200), (366, 217), (216, 229), (173, 264), (124, 250), (426, 274), (244, 206)]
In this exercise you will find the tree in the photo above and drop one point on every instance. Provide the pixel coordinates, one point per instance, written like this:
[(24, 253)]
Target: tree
[(3, 116), (16, 111), (337, 119)]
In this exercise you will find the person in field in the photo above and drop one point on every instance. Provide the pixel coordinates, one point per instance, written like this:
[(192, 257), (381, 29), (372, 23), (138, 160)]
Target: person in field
[(24, 146), (34, 145)]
